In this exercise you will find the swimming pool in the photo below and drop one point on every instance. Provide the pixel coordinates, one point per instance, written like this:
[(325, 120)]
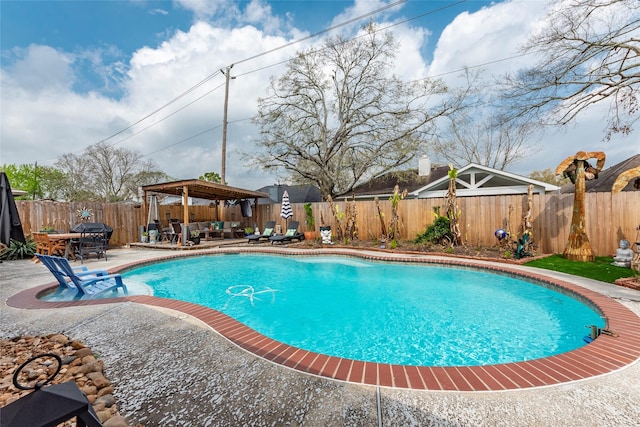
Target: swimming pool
[(380, 312)]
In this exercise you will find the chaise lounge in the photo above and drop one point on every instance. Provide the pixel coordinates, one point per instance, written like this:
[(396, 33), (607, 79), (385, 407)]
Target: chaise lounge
[(291, 234), (266, 233)]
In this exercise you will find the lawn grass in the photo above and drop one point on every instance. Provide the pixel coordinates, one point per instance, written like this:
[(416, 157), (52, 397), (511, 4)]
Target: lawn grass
[(601, 269)]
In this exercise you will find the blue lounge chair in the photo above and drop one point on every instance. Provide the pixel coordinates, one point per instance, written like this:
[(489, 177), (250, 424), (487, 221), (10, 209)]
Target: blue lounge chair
[(266, 233), (292, 233), (86, 283)]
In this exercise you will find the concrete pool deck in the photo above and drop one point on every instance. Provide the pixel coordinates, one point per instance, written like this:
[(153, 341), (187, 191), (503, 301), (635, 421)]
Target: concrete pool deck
[(183, 373)]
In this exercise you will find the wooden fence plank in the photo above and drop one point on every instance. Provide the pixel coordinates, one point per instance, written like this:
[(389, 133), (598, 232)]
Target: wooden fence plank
[(609, 217)]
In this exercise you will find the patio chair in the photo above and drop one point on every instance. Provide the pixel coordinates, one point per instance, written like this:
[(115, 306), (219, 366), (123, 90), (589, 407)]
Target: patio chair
[(86, 283), (91, 242), (291, 234), (46, 246), (266, 233), (176, 233)]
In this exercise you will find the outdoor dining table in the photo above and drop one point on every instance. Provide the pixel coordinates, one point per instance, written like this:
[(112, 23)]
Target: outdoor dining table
[(67, 237)]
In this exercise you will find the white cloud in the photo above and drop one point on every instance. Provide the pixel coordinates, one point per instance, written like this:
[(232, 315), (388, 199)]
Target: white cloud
[(205, 9), (490, 34), (259, 12), (43, 118), (42, 68), (487, 39)]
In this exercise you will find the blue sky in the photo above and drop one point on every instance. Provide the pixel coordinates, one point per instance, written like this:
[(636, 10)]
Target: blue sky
[(119, 27), (76, 72)]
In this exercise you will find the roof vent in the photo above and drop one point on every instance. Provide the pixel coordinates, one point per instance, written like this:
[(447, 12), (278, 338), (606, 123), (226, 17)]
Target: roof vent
[(424, 166)]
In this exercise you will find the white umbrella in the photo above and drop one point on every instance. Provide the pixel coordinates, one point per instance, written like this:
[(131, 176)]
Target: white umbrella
[(285, 210), (153, 218)]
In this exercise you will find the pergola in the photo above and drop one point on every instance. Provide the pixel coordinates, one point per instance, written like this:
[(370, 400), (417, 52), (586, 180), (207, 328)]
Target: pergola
[(201, 190)]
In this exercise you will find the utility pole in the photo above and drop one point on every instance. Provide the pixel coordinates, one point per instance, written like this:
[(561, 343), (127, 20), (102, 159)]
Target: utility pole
[(227, 74)]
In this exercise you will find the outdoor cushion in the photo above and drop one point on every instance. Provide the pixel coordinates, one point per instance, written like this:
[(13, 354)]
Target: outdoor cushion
[(290, 232), (267, 232)]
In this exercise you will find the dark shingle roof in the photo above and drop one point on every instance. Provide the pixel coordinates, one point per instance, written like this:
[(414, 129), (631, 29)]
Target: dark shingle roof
[(297, 194), (407, 180)]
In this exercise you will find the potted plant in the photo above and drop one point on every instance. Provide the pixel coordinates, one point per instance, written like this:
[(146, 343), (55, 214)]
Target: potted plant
[(248, 231), (144, 237), (310, 233), (195, 237)]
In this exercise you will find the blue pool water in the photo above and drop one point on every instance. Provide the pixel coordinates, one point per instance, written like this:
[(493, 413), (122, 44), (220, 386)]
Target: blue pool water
[(380, 312)]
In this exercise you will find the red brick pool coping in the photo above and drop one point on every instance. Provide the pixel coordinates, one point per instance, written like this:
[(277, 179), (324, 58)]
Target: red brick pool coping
[(604, 355)]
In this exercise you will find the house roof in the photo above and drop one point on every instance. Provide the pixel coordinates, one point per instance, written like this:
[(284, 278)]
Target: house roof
[(203, 190), (478, 180), (607, 177), (297, 193), (472, 180), (383, 185)]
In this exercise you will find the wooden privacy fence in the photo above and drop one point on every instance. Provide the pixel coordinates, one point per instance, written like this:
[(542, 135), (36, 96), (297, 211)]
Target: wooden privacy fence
[(609, 217)]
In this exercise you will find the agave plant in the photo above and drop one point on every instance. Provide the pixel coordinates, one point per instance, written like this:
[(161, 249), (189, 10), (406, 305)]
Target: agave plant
[(19, 250)]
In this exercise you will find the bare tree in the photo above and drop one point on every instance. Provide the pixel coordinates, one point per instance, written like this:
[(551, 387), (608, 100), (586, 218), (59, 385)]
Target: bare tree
[(487, 141), (77, 183), (106, 173), (549, 176), (590, 52), (338, 117)]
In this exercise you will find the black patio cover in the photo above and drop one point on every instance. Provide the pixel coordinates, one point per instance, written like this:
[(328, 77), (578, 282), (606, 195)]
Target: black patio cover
[(10, 225), (92, 227)]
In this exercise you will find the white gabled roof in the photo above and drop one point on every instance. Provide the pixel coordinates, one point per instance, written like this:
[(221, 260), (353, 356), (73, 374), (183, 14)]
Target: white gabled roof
[(477, 180)]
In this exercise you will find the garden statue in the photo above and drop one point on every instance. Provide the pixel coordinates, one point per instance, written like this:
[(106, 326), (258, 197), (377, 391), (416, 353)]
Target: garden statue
[(325, 233), (624, 255), (453, 211), (578, 169), (623, 180)]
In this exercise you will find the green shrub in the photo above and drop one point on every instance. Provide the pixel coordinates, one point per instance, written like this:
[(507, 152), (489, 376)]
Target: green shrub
[(438, 232), (19, 250)]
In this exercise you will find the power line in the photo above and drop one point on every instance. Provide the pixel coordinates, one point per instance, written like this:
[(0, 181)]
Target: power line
[(395, 24), (194, 136), (326, 30), (186, 92), (185, 140), (354, 38), (209, 77), (169, 115), (286, 45)]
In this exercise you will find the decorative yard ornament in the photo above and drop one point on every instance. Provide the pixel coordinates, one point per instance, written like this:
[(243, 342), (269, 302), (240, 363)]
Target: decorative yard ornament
[(621, 182), (624, 255), (578, 169), (453, 211), (84, 214), (500, 234), (325, 233), (623, 179)]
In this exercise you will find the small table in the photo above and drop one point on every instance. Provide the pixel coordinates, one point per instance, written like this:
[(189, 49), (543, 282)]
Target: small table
[(210, 234)]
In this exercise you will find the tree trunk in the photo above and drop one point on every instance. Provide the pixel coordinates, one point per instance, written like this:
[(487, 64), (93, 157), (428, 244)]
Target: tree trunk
[(578, 246)]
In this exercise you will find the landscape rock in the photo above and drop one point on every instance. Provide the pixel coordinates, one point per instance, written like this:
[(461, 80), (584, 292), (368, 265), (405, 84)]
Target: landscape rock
[(79, 364)]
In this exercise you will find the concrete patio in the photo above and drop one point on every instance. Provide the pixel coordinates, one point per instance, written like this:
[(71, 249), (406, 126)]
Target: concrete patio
[(170, 369)]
